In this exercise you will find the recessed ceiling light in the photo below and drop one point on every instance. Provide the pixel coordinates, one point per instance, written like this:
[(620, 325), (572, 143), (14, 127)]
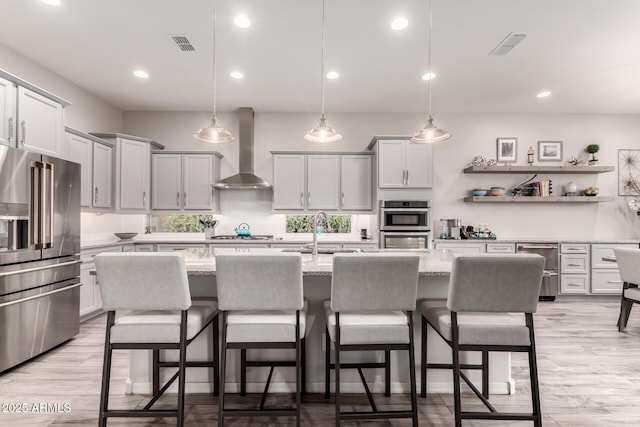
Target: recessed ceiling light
[(399, 24), (333, 75), (428, 76), (242, 21), (543, 94), (141, 74), (237, 75), (52, 2)]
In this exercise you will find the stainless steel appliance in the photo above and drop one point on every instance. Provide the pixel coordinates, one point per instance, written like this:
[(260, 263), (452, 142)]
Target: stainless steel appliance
[(405, 224), (549, 251), (39, 254)]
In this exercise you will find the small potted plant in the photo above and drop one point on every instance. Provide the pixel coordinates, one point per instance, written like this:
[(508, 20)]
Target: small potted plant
[(592, 149)]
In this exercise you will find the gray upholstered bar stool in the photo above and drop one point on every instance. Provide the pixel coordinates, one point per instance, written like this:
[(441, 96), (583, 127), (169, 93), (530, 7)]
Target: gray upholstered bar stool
[(485, 292), (260, 297), (628, 260), (156, 288), (373, 297)]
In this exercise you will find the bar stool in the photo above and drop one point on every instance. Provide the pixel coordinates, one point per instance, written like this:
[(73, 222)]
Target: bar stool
[(484, 292), (156, 288), (372, 301), (628, 260), (260, 297)]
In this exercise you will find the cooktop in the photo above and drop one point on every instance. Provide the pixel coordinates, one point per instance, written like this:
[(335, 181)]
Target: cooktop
[(235, 237)]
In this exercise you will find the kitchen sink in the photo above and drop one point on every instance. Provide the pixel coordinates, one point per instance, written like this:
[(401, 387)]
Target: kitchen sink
[(322, 250)]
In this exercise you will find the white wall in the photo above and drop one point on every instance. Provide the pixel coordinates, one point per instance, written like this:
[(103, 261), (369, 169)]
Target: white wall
[(87, 113), (472, 135)]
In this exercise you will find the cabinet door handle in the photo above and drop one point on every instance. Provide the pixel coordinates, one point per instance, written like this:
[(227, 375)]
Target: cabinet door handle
[(10, 136), (24, 132), (144, 199), (178, 200), (407, 177), (575, 265), (342, 200), (614, 281), (302, 199), (184, 199), (95, 197), (308, 199)]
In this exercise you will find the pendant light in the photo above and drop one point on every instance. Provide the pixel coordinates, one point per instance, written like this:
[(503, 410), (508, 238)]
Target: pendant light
[(213, 132), (322, 132), (430, 132)]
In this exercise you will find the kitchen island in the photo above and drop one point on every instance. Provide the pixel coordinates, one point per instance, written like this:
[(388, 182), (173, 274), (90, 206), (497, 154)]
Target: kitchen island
[(434, 271)]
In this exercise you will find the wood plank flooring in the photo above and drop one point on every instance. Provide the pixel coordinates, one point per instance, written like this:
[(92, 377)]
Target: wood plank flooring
[(589, 376)]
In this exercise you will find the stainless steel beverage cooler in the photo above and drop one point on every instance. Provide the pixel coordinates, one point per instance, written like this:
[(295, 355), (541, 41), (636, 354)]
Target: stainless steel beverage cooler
[(39, 254)]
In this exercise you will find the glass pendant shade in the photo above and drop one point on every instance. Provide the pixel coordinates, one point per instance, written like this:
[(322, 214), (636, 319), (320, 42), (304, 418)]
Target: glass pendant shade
[(322, 132), (430, 133), (213, 133)]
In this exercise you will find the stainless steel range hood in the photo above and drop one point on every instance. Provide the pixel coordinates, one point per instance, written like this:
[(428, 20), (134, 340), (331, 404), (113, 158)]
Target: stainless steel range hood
[(246, 179)]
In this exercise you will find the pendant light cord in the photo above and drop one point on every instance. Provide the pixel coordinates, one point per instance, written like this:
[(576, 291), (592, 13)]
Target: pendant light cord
[(430, 75), (214, 58), (322, 61)]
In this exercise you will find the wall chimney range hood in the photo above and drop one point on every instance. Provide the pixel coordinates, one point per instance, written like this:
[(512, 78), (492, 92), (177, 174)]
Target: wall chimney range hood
[(246, 179)]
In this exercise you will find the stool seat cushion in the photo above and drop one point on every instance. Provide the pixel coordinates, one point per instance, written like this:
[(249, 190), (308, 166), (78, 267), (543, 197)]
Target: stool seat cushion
[(368, 327), (476, 328), (265, 326), (162, 326), (632, 293)]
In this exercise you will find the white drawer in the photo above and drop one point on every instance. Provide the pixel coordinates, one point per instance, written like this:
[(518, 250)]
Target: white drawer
[(575, 264), (606, 250), (87, 255), (177, 247), (145, 247), (573, 284), (461, 248), (574, 248), (501, 248), (606, 281)]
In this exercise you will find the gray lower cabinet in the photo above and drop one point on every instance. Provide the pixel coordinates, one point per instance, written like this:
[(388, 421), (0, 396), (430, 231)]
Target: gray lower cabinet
[(462, 247), (605, 278), (90, 301), (574, 268)]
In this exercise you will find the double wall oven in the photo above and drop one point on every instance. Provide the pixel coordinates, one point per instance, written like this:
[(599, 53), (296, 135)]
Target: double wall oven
[(39, 254), (405, 224)]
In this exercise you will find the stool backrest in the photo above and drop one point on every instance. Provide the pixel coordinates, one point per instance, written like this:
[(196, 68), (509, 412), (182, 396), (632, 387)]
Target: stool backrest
[(628, 260), (254, 281), (376, 281), (495, 283), (143, 281)]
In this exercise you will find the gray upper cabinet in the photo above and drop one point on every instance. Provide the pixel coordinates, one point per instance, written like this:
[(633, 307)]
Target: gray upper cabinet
[(355, 178), (182, 181), (403, 164), (8, 93), (30, 117), (132, 173), (41, 121), (95, 158), (322, 181), (289, 174)]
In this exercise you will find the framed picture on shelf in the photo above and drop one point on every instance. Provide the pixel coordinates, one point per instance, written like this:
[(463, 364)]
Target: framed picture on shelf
[(507, 149), (550, 151)]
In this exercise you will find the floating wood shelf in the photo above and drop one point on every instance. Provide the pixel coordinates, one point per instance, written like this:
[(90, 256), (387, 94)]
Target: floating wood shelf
[(539, 169), (537, 199)]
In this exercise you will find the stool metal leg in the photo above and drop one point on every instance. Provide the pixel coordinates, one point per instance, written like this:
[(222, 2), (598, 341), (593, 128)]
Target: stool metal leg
[(533, 373), (215, 328), (298, 368), (181, 369), (243, 372), (387, 373), (337, 368), (327, 363), (412, 372), (423, 359), (156, 372), (303, 363), (223, 370), (485, 373), (456, 369), (106, 371)]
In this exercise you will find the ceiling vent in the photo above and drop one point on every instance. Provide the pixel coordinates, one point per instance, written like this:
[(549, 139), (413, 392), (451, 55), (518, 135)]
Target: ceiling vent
[(507, 44), (183, 42)]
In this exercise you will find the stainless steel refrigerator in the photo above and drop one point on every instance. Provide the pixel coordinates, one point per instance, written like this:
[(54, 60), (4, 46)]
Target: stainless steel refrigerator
[(39, 254)]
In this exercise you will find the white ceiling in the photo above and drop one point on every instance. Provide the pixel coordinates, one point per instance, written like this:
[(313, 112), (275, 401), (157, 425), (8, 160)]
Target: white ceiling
[(587, 52)]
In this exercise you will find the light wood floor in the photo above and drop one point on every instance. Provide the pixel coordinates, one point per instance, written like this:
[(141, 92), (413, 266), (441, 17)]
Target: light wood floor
[(589, 376)]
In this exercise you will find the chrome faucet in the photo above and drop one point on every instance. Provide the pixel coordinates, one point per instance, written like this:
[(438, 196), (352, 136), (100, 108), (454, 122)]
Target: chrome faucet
[(314, 249)]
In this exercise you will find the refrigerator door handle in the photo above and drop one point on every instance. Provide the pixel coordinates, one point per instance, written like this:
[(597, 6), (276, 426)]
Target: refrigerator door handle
[(66, 288), (36, 226), (42, 267), (49, 243)]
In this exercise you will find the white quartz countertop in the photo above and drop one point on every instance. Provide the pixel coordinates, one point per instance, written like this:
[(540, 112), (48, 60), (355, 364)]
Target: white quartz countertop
[(198, 238), (202, 261)]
